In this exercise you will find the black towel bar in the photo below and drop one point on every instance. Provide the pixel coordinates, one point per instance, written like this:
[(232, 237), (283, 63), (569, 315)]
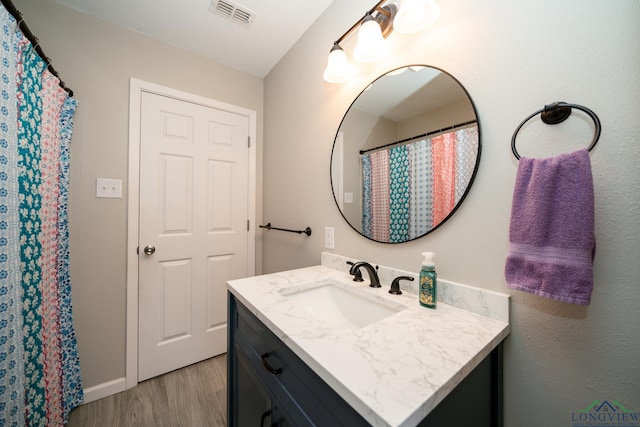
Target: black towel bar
[(555, 113), (306, 231)]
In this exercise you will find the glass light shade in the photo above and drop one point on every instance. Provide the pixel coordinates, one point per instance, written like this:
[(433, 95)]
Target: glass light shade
[(338, 69), (371, 45), (415, 15)]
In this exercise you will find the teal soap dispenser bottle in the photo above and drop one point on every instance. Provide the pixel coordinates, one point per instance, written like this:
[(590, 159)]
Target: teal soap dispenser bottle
[(428, 281)]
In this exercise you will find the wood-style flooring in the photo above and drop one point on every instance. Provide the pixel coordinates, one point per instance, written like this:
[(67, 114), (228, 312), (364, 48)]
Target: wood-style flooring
[(194, 396)]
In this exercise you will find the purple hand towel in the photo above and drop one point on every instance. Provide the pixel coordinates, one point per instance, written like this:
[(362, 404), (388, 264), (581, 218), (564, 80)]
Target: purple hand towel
[(551, 236)]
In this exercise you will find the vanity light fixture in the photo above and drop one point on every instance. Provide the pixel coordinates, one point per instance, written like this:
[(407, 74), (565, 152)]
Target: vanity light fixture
[(416, 15), (371, 45), (406, 16), (338, 69)]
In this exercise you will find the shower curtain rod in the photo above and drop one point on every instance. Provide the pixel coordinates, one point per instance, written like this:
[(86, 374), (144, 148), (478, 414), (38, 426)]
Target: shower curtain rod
[(433, 132), (34, 41)]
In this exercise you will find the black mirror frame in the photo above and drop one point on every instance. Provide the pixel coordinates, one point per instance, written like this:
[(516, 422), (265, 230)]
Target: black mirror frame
[(471, 180)]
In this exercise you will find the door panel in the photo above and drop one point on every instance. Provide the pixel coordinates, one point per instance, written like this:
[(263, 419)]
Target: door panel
[(177, 194), (175, 310), (219, 271), (220, 194), (193, 211)]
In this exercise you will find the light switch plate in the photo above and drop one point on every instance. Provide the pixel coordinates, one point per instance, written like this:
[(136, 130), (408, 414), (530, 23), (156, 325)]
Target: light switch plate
[(329, 242), (348, 197), (109, 188)]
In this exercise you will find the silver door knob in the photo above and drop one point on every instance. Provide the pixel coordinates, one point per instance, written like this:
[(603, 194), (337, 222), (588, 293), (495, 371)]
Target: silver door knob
[(149, 250)]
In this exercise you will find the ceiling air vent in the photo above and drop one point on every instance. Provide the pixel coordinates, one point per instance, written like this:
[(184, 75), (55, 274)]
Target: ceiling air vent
[(233, 12)]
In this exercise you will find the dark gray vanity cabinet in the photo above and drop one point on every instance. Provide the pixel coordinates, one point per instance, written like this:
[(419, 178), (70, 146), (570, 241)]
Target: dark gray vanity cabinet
[(268, 385)]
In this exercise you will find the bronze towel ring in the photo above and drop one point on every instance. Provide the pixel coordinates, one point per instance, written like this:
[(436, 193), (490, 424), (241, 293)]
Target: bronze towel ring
[(555, 113)]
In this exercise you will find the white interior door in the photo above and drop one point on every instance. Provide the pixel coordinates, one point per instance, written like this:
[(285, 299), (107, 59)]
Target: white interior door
[(192, 229)]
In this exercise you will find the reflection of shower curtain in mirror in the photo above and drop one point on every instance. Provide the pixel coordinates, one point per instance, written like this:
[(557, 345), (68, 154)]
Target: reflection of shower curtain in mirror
[(409, 189), (39, 364), (379, 189)]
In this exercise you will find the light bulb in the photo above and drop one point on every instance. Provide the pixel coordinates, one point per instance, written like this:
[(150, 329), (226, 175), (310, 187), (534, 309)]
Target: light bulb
[(338, 69), (415, 15), (371, 45)]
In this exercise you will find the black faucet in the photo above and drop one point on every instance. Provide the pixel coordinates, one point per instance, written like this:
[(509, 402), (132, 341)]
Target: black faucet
[(373, 275), (395, 285)]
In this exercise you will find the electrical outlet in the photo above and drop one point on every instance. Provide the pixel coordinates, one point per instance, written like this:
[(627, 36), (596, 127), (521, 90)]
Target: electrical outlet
[(329, 242), (109, 188)]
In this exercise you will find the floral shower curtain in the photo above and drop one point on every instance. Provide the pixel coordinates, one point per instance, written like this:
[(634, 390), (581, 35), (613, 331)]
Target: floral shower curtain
[(409, 189), (39, 366)]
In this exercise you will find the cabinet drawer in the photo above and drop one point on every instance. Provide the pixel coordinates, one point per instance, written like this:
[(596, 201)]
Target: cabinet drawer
[(286, 375), (254, 406)]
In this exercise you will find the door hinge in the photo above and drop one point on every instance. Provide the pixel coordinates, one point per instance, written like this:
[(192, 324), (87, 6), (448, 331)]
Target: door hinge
[(248, 225), (248, 142)]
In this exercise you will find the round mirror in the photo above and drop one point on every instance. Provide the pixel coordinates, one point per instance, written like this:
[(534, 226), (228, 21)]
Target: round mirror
[(405, 154)]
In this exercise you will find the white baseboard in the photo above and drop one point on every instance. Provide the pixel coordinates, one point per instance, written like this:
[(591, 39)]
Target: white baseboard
[(105, 389)]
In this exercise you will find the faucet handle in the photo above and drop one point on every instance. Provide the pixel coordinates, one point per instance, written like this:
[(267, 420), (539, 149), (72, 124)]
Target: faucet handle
[(357, 274), (375, 281), (395, 285)]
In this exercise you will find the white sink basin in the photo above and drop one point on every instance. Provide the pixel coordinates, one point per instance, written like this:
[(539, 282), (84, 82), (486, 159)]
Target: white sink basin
[(341, 305)]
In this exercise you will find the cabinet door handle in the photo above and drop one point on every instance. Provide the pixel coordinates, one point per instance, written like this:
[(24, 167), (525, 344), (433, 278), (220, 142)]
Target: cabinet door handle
[(265, 414), (267, 366)]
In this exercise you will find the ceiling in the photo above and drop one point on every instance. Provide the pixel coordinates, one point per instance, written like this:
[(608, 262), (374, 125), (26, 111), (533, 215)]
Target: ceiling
[(189, 24), (401, 96)]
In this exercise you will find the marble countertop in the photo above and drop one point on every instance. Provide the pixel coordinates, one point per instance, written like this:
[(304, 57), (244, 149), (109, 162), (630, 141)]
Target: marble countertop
[(394, 371)]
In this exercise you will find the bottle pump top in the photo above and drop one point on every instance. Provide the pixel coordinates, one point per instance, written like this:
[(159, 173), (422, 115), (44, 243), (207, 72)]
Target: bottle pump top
[(428, 259)]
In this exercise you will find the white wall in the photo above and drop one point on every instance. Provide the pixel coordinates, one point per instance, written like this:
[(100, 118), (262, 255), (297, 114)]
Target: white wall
[(361, 131), (512, 57), (96, 59), (456, 112)]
